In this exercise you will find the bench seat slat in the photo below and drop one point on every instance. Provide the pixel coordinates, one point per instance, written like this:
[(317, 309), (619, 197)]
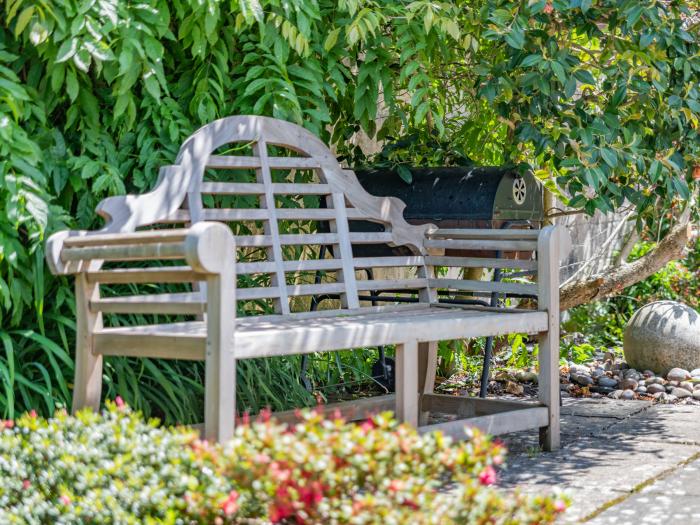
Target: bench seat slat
[(287, 335)]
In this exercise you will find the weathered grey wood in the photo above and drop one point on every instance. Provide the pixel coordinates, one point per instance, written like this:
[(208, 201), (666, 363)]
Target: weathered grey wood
[(344, 253), (483, 233), (385, 262), (485, 286), (482, 244), (407, 396), (355, 410), (481, 262), (166, 303), (161, 274), (549, 246), (87, 383), (494, 424), (470, 405), (427, 368), (254, 188), (278, 163), (209, 253), (274, 252)]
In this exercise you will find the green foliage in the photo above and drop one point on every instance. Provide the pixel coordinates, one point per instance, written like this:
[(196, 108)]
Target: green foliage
[(600, 98), (117, 468), (95, 96)]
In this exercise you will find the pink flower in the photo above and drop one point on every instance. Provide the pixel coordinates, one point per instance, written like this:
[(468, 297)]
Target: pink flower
[(26, 484), (64, 499), (265, 415), (559, 506), (368, 424), (548, 8), (119, 402), (487, 476), (8, 424), (33, 414), (230, 505), (395, 485)]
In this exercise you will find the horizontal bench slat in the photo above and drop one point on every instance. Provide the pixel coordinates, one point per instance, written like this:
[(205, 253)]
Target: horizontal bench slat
[(142, 237), (312, 239), (391, 284), (481, 262), (485, 286), (165, 303), (482, 244), (385, 262), (485, 233), (161, 274), (130, 252), (246, 162), (255, 188)]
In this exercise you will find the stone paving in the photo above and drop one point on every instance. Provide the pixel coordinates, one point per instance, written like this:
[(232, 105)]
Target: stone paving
[(621, 462)]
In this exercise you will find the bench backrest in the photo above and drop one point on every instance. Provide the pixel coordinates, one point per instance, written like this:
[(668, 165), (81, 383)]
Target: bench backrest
[(285, 195), (289, 204)]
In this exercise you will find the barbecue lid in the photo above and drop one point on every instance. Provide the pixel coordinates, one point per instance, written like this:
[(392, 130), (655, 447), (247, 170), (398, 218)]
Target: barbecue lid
[(466, 193)]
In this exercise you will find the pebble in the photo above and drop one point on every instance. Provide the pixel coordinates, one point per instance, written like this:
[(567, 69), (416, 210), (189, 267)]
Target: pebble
[(607, 382), (525, 376), (655, 388), (657, 380), (678, 374), (641, 390), (616, 394), (687, 385), (696, 394), (581, 379), (629, 384), (681, 393), (648, 373), (597, 372), (578, 369), (695, 373), (631, 374), (673, 383), (607, 390), (628, 394)]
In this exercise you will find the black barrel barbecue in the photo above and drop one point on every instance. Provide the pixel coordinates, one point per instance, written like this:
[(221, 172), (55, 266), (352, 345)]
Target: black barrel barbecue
[(460, 197)]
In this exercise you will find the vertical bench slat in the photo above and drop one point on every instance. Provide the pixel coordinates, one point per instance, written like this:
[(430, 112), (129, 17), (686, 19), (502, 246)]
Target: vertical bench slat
[(274, 252)]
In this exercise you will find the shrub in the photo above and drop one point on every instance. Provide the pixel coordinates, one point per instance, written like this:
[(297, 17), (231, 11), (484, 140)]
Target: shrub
[(115, 467)]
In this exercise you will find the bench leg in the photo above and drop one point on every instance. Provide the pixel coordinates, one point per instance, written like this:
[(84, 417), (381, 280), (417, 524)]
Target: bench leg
[(87, 384), (407, 383), (427, 368), (220, 361), (549, 387)]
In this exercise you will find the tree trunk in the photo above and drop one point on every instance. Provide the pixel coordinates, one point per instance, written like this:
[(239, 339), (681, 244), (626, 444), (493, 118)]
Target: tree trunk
[(614, 280)]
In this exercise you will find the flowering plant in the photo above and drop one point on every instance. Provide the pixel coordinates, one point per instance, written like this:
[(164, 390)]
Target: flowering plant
[(115, 467)]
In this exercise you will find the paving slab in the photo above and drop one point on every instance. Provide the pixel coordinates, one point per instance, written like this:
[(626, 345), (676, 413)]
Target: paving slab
[(651, 509), (663, 423), (614, 452), (602, 407)]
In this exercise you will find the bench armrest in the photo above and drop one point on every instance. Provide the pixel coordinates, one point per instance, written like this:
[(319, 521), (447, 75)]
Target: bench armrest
[(207, 247)]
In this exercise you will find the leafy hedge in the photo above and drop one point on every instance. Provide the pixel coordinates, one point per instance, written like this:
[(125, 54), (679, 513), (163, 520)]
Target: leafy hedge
[(115, 467)]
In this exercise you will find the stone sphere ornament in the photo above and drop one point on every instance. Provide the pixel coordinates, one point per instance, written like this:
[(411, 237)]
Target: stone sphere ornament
[(663, 335)]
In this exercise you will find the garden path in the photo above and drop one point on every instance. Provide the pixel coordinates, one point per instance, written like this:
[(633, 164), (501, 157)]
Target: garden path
[(621, 462)]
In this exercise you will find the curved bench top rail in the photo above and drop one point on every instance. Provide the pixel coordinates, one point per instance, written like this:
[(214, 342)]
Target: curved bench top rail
[(179, 197)]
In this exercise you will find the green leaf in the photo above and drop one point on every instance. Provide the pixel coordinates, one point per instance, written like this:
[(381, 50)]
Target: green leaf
[(609, 156), (72, 86), (515, 37), (67, 50), (23, 19), (332, 39), (559, 71), (531, 60)]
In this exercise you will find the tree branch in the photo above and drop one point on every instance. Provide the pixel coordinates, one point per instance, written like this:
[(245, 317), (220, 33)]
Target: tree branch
[(613, 281)]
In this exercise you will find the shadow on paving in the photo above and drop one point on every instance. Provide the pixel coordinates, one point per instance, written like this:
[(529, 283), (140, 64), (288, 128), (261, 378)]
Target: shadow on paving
[(610, 449)]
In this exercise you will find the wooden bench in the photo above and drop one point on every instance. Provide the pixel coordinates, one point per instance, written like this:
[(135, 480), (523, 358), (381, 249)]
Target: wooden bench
[(259, 188)]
